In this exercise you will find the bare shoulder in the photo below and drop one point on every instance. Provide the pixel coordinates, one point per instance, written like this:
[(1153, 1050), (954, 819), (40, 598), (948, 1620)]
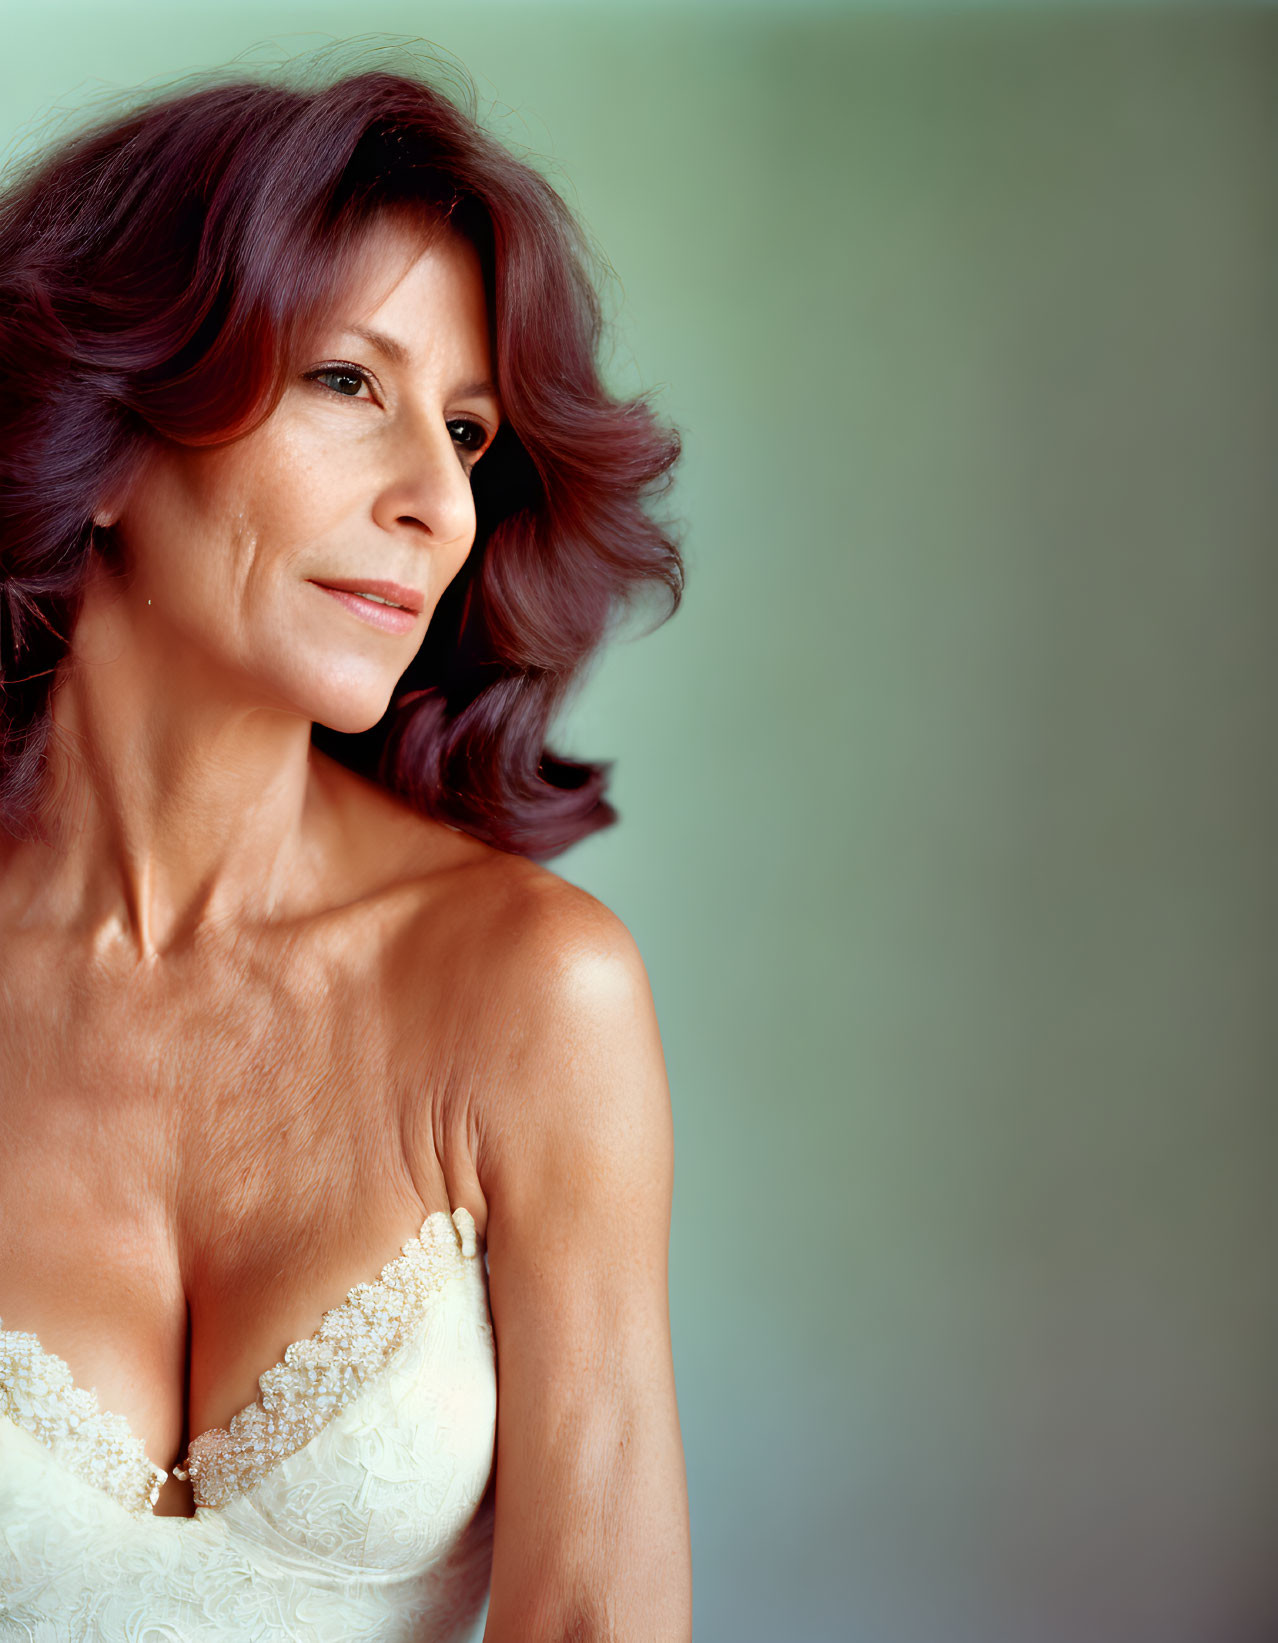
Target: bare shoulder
[(521, 1000), (581, 1079)]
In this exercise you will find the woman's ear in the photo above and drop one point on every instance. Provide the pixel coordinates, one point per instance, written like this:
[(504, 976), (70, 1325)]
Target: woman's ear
[(102, 539), (118, 488), (111, 504)]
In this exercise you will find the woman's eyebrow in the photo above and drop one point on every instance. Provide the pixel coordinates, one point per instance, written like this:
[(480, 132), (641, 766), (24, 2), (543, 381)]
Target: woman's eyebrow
[(395, 351), (391, 347)]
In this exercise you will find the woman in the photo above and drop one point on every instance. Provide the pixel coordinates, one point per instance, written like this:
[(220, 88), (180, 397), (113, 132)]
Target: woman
[(337, 1171)]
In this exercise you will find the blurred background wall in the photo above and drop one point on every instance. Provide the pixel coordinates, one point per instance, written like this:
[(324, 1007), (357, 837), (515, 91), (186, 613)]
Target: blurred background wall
[(948, 798)]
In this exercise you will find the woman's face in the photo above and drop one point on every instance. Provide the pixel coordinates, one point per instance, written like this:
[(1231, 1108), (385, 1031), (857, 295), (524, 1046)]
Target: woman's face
[(250, 562)]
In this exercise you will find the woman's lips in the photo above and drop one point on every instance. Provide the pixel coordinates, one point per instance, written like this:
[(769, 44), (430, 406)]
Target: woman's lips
[(400, 617)]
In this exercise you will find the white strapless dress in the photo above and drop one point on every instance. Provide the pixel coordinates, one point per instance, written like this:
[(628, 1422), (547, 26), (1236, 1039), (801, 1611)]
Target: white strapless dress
[(349, 1502)]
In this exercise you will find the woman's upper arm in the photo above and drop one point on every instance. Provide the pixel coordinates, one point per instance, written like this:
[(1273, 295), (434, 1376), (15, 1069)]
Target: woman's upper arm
[(591, 1527)]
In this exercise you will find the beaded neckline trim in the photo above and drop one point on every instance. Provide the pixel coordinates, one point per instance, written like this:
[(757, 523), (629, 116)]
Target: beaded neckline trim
[(38, 1394), (318, 1377), (301, 1394)]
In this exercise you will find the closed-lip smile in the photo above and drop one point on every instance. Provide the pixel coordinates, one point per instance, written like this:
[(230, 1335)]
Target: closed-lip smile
[(386, 593)]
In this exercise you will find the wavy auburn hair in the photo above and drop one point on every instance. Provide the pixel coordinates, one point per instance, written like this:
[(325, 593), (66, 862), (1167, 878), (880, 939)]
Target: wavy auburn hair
[(160, 276)]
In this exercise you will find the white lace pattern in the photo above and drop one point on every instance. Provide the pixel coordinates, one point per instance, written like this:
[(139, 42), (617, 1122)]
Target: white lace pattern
[(37, 1392), (320, 1376), (348, 1504)]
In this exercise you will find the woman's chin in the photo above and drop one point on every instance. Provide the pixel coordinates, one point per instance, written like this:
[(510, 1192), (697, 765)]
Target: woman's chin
[(350, 712), (349, 721)]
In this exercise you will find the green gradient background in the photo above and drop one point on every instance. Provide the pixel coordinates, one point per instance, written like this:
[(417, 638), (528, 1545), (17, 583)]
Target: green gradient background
[(948, 798)]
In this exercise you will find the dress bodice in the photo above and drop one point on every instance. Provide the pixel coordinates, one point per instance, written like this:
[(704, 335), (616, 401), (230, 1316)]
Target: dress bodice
[(348, 1502)]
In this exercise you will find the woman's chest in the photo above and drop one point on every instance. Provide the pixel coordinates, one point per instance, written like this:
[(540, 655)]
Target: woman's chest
[(192, 1176), (196, 1121)]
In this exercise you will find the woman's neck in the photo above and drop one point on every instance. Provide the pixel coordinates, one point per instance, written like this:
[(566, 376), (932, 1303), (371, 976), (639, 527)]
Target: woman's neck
[(169, 807)]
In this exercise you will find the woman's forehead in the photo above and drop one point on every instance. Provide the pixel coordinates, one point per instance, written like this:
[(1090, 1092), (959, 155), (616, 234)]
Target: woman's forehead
[(404, 267), (389, 246)]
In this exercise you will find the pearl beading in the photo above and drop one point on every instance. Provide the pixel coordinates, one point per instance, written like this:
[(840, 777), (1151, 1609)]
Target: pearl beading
[(38, 1394), (314, 1382), (320, 1376)]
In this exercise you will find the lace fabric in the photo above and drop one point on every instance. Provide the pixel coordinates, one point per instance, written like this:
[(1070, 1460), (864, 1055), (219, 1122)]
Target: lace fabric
[(349, 1501), (38, 1394), (320, 1376)]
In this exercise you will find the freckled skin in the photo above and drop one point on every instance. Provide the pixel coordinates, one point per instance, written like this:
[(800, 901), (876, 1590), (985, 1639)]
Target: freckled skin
[(209, 979), (257, 1018), (220, 541)]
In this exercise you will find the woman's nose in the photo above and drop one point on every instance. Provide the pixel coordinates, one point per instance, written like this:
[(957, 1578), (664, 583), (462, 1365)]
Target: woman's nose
[(426, 485)]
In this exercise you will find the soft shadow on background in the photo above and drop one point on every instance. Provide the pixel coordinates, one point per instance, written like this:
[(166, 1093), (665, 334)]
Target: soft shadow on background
[(948, 798)]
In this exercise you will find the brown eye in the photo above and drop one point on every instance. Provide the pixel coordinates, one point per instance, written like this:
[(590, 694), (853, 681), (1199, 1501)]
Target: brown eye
[(474, 435)]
